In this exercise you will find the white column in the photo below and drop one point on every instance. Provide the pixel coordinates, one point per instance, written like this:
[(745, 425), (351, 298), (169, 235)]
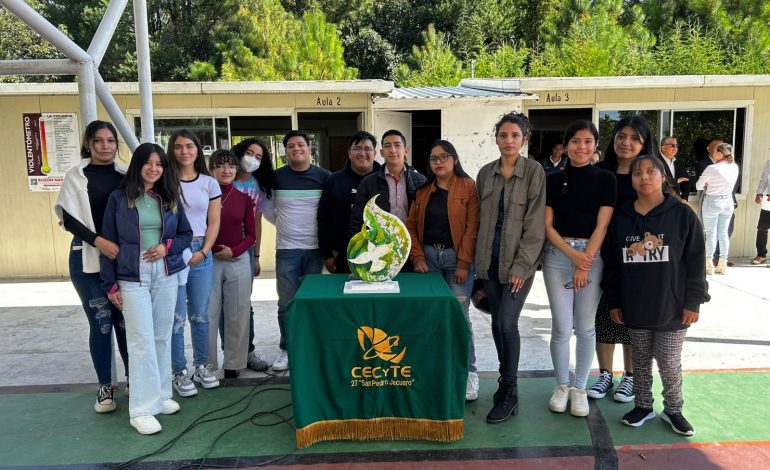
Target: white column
[(143, 65)]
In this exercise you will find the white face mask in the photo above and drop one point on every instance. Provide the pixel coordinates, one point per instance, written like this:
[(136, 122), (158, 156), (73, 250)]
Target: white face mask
[(249, 164)]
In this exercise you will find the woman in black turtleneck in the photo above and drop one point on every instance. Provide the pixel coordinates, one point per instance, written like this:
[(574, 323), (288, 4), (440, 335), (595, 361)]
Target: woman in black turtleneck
[(80, 208)]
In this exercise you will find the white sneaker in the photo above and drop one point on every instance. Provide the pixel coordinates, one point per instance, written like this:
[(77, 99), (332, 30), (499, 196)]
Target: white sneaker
[(472, 386), (559, 399), (145, 424), (182, 384), (282, 363), (205, 377), (169, 407), (578, 402)]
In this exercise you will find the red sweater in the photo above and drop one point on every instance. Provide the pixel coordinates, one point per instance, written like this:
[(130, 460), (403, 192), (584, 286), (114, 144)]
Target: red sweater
[(236, 226)]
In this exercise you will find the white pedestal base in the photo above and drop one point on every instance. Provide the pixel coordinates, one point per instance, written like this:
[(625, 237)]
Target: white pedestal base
[(361, 287)]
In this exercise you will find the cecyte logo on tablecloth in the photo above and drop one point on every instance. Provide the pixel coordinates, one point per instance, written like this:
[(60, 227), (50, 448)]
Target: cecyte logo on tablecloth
[(377, 344)]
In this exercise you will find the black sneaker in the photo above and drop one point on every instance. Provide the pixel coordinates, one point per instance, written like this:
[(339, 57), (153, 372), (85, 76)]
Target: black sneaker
[(625, 391), (104, 401), (678, 423), (507, 404), (637, 416), (602, 386), (231, 374)]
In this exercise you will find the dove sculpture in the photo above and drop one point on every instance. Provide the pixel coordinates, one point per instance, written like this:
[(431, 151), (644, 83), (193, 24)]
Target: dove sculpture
[(378, 252)]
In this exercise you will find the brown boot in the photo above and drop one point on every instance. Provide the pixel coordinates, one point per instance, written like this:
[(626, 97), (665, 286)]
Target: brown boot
[(721, 267)]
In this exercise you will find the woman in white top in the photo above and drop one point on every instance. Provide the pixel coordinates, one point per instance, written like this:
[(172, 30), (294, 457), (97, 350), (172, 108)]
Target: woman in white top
[(200, 196), (718, 182)]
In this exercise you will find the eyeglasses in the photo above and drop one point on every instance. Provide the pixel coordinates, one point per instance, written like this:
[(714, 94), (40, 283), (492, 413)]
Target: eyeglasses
[(225, 166), (361, 149), (440, 158)]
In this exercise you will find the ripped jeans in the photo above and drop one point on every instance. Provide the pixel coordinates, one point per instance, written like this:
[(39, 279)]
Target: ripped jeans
[(192, 303), (444, 262), (102, 316)]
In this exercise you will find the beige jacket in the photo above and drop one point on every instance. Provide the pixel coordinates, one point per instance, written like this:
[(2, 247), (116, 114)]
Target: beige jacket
[(523, 232)]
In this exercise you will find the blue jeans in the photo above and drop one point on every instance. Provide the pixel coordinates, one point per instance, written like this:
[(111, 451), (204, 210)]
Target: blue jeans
[(148, 307), (192, 302), (444, 262), (103, 317), (717, 211), (290, 266), (571, 310)]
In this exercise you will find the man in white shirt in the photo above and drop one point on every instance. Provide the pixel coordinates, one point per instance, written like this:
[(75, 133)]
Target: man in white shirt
[(763, 224)]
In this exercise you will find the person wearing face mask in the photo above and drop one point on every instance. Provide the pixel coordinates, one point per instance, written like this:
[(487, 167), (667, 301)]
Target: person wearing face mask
[(255, 179), (337, 199)]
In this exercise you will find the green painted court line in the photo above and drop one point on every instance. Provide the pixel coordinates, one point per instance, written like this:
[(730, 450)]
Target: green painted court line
[(722, 407), (73, 434), (62, 428)]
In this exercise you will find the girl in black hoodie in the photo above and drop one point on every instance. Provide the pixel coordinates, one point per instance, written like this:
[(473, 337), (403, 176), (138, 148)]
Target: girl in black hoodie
[(654, 283)]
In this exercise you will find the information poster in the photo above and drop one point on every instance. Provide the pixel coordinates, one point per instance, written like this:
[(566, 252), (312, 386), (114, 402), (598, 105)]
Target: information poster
[(51, 147)]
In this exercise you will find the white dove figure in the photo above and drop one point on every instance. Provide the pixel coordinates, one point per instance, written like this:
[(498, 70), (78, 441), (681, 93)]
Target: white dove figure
[(373, 253)]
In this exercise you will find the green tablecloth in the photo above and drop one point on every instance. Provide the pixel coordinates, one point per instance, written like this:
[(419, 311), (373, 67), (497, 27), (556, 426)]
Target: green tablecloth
[(377, 366)]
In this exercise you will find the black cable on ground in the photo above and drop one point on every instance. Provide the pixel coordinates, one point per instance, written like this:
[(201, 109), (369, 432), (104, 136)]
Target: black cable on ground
[(249, 397)]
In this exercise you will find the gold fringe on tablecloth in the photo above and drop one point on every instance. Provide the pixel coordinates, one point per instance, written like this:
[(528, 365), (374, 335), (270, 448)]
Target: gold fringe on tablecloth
[(381, 429)]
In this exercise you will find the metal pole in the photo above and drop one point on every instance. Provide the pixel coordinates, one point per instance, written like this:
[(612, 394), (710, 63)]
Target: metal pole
[(87, 91), (39, 67), (41, 26), (103, 35), (112, 108), (143, 65)]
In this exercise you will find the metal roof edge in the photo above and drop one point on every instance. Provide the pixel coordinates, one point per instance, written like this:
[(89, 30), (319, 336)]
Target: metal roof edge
[(655, 81), (174, 88)]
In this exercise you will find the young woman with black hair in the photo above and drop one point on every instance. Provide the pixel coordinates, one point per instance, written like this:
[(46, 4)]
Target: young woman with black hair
[(255, 179), (231, 287), (200, 196), (508, 247), (443, 223), (580, 199), (654, 282), (631, 137), (145, 219), (80, 209)]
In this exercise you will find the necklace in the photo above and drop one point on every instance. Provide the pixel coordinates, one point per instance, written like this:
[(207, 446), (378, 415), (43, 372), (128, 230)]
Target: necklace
[(145, 200), (228, 195)]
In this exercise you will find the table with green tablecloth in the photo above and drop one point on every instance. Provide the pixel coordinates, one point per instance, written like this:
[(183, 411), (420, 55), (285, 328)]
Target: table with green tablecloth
[(377, 366)]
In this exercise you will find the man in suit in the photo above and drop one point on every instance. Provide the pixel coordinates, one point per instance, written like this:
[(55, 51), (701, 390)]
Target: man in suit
[(675, 173)]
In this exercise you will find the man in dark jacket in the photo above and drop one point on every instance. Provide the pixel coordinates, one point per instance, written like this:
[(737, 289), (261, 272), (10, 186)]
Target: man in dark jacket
[(337, 199), (395, 182), (676, 175), (556, 161)]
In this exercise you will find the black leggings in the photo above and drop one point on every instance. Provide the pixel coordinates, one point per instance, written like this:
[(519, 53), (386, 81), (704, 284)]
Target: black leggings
[(505, 311)]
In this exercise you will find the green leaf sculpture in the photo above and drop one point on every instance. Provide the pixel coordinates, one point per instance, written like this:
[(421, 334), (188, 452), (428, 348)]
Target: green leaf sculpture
[(378, 252)]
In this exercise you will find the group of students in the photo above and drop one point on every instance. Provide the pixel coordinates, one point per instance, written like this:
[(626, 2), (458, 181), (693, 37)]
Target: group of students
[(623, 258), (159, 243)]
